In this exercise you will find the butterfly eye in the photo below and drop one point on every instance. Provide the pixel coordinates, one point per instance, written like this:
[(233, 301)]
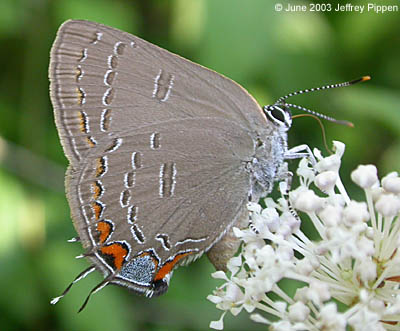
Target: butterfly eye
[(279, 115)]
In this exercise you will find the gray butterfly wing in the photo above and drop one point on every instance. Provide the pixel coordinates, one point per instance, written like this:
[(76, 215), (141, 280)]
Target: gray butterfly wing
[(158, 148), (173, 200), (104, 80)]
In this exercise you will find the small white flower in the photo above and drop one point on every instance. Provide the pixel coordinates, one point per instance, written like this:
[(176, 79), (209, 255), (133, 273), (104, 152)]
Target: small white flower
[(306, 200), (307, 265), (219, 275), (305, 173), (254, 207), (391, 183), (218, 325), (365, 176), (318, 292), (326, 181), (339, 148), (259, 319), (354, 257), (331, 216), (332, 162), (366, 271), (291, 221), (330, 319), (282, 326), (388, 205), (272, 217), (298, 312), (355, 213)]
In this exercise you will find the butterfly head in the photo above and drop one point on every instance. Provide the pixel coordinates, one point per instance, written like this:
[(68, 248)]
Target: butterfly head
[(279, 115)]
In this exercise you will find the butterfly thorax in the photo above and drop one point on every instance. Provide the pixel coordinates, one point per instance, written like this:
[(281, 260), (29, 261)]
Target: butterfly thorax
[(265, 166)]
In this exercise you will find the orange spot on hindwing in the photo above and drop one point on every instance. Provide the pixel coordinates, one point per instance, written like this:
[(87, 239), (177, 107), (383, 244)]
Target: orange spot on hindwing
[(80, 96), (169, 265), (83, 122), (97, 209), (101, 166), (105, 229), (115, 254), (91, 142), (97, 189)]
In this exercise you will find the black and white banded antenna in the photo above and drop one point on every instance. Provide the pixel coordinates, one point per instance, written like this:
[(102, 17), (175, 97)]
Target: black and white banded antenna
[(281, 100), (316, 114), (352, 82)]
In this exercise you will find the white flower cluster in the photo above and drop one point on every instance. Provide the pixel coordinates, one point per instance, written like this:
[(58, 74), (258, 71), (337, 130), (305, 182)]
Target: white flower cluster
[(355, 259)]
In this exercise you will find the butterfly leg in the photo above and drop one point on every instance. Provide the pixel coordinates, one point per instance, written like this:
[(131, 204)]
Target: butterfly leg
[(299, 152), (285, 178)]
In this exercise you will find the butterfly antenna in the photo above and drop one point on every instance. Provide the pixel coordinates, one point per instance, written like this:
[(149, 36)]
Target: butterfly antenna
[(352, 82), (82, 275), (96, 289), (325, 117)]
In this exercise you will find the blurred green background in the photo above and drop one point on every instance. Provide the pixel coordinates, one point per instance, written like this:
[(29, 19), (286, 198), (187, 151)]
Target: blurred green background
[(269, 53)]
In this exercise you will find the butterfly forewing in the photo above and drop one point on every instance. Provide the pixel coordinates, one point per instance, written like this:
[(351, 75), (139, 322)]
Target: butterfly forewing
[(104, 80)]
